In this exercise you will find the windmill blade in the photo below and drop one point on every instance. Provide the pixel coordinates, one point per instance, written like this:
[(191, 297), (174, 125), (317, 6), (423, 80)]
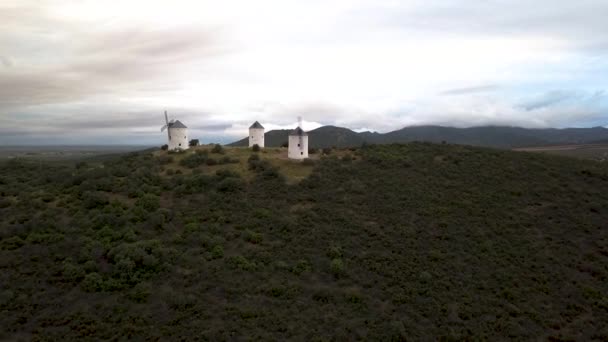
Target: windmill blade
[(163, 128), (166, 119), (301, 138)]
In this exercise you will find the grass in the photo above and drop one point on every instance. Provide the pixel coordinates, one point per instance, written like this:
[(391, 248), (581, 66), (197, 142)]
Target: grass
[(294, 171)]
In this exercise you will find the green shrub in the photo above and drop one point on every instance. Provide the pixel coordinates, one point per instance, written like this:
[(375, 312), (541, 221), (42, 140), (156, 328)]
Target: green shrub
[(164, 160), (227, 160), (149, 202), (255, 148), (94, 199), (218, 149), (230, 184), (12, 243), (217, 252), (337, 267), (253, 237), (240, 262), (93, 282), (335, 252), (72, 272), (140, 293), (195, 159)]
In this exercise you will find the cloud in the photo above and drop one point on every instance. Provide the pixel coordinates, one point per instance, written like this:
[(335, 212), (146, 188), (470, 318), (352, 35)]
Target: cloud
[(548, 99), (95, 74), (470, 90), (6, 61), (64, 60)]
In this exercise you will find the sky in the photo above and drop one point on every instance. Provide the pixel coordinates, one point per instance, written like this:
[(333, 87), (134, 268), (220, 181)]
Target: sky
[(103, 72)]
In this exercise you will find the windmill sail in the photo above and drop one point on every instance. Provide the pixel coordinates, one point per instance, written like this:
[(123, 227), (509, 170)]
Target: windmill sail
[(301, 138), (166, 126)]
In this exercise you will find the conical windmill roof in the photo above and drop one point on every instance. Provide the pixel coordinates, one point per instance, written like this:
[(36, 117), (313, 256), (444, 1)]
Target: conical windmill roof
[(177, 124), (256, 125), (298, 132)]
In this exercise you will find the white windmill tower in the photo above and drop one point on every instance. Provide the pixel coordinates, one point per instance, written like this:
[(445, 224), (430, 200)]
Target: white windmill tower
[(298, 143), (177, 134), (256, 135)]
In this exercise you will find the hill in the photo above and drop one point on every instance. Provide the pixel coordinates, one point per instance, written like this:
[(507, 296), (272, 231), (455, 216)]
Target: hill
[(488, 136), (390, 242), (326, 136)]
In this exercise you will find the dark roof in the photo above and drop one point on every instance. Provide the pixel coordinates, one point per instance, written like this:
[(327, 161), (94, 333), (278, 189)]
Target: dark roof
[(256, 125), (298, 131), (177, 124)]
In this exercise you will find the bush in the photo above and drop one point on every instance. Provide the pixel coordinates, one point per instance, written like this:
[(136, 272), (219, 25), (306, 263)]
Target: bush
[(308, 162), (164, 160), (230, 184), (285, 144), (94, 199), (71, 272), (164, 147), (240, 262), (193, 142), (255, 148), (217, 252), (253, 237), (195, 159), (140, 293), (12, 243), (149, 202), (228, 160), (217, 148), (327, 150), (211, 161), (312, 150), (93, 282), (337, 267)]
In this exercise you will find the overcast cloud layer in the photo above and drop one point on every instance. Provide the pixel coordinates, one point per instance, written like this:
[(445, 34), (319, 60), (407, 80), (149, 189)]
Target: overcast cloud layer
[(95, 72)]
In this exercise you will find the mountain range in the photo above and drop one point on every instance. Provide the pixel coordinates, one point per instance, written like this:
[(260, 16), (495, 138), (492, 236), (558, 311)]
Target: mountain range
[(489, 136)]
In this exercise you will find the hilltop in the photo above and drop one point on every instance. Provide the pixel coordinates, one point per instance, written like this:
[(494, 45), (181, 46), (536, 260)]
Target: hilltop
[(488, 136), (389, 242)]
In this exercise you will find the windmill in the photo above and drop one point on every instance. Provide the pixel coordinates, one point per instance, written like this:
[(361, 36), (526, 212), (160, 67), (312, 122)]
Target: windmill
[(167, 125)]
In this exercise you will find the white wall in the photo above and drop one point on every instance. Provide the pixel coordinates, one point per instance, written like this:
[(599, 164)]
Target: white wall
[(179, 139), (256, 136), (295, 151)]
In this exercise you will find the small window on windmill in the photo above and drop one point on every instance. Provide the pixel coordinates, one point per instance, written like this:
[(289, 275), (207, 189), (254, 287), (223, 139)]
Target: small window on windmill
[(180, 144), (298, 145), (301, 153)]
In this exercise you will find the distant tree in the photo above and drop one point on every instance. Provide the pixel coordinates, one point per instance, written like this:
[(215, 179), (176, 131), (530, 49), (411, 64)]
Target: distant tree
[(194, 142), (217, 148), (327, 150), (256, 148), (285, 144), (164, 147), (312, 150)]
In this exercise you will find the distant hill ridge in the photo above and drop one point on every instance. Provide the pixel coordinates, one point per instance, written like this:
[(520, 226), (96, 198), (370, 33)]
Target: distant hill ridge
[(489, 136)]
